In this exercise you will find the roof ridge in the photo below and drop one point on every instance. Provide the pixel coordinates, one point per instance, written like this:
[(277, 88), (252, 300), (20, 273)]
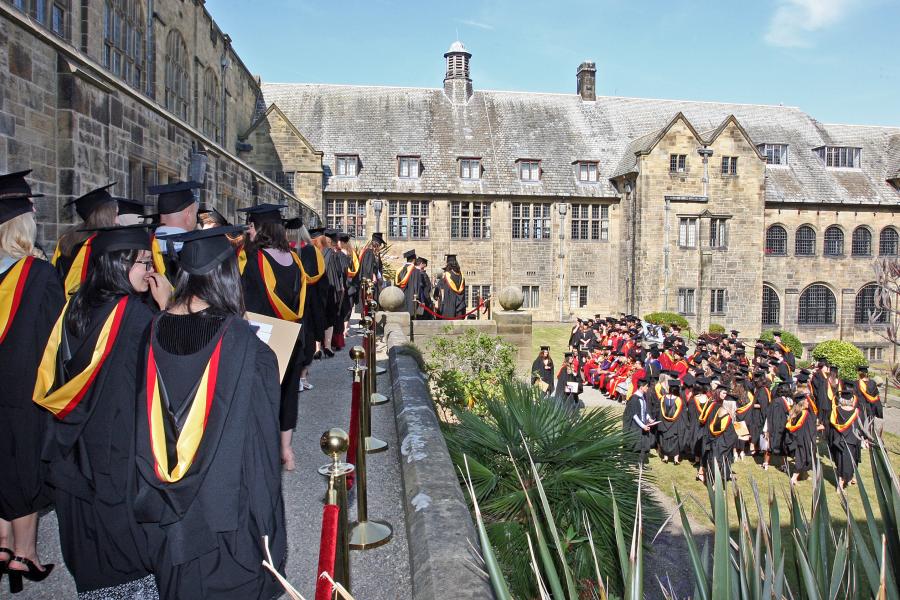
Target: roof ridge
[(858, 125)]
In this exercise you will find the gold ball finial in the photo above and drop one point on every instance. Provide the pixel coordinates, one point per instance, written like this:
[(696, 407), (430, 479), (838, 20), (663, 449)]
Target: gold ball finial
[(366, 321), (357, 353), (334, 442)]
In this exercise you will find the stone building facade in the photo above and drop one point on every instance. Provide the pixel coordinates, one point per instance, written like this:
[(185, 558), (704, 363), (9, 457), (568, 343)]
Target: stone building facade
[(133, 91), (596, 204)]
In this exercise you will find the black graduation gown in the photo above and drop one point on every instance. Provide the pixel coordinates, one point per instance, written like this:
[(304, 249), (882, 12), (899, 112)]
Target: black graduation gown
[(696, 429), (847, 442), (346, 308), (64, 262), (672, 426), (91, 459), (424, 293), (370, 268), (22, 422), (871, 410), (452, 304), (643, 440), (256, 299), (802, 443), (333, 289), (410, 288), (543, 372), (564, 377), (313, 320), (205, 531), (718, 449), (778, 415)]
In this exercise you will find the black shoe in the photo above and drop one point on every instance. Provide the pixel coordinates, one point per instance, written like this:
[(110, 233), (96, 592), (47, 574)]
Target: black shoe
[(333, 349), (5, 563), (329, 353), (32, 574), (317, 355)]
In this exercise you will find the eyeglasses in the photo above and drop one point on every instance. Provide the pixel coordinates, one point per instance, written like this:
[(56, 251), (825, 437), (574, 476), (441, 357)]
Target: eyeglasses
[(148, 264)]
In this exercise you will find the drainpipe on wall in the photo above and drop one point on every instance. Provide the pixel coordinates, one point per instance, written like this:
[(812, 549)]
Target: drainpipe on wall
[(705, 152), (666, 255), (628, 194)]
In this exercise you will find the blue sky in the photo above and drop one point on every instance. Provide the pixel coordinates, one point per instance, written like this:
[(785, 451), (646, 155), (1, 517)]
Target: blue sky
[(839, 60)]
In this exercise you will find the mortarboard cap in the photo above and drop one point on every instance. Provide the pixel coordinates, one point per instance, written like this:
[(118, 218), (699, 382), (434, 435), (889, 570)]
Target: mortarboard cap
[(409, 254), (422, 260), (776, 334), (123, 237), (547, 348), (331, 234), (863, 368), (263, 213), (292, 223), (88, 203), (203, 250), (343, 236), (127, 206), (15, 195), (175, 196), (213, 218), (316, 232), (377, 237)]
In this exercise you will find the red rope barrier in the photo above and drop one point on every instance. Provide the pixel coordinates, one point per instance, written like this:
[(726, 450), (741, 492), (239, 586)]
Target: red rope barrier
[(437, 316), (327, 551), (354, 430)]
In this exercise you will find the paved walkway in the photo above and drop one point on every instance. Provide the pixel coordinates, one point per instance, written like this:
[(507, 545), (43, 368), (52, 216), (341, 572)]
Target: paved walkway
[(378, 574)]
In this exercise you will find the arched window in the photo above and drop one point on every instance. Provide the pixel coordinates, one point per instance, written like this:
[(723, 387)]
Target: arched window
[(861, 245), (834, 241), (776, 240), (805, 241), (123, 41), (771, 306), (817, 306), (888, 242), (177, 75), (865, 306), (211, 104)]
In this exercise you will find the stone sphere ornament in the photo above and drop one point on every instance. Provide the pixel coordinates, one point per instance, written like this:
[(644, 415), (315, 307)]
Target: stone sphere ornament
[(391, 299), (511, 298)]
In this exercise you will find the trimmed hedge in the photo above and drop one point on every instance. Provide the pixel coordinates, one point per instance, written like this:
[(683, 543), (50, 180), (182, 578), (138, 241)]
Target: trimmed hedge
[(667, 318), (716, 328), (788, 339), (843, 354)]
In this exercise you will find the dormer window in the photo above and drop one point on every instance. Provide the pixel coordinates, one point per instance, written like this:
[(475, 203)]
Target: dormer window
[(776, 154), (409, 167), (470, 168), (529, 170), (587, 171), (839, 156), (346, 165)]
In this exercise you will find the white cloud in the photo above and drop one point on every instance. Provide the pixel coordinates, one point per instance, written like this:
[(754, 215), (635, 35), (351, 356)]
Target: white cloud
[(477, 24), (795, 20)]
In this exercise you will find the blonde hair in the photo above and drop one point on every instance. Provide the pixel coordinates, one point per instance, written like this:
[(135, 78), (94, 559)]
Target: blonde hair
[(17, 236)]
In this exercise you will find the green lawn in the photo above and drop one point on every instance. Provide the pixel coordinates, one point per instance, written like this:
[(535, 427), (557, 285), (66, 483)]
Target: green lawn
[(555, 335)]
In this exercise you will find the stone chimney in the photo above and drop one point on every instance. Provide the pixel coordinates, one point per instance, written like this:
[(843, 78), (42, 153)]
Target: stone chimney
[(587, 76), (457, 84)]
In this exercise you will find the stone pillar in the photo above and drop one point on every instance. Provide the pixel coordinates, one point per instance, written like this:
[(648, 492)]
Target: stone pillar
[(394, 320), (514, 327)]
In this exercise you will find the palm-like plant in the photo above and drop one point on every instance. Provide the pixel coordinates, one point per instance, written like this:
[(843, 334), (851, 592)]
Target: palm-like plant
[(580, 460)]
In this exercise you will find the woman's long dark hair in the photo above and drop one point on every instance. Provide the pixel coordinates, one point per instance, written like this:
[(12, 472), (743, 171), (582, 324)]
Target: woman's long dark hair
[(107, 280), (269, 235), (220, 288), (102, 216)]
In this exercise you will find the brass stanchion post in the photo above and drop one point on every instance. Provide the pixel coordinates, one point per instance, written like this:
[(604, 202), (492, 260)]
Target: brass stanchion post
[(372, 443), (365, 533), (375, 398), (373, 309), (334, 443)]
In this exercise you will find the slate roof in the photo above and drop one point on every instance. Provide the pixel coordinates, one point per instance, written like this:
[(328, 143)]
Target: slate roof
[(381, 123)]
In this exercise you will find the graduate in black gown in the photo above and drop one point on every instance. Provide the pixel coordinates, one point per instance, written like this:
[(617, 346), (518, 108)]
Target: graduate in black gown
[(867, 395), (274, 285), (97, 208), (718, 449), (800, 437), (542, 370), (88, 382), (779, 410), (407, 280), (569, 385), (849, 433), (177, 208), (672, 428), (370, 268), (332, 290), (452, 287), (346, 254), (638, 421), (699, 411), (425, 289), (31, 297), (207, 441), (314, 318)]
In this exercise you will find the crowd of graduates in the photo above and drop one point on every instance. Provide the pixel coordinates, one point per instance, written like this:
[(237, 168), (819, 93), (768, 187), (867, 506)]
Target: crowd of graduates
[(138, 400), (713, 401)]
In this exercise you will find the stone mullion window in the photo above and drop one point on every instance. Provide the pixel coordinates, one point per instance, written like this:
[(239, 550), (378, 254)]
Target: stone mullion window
[(834, 241), (347, 215), (530, 221), (861, 243), (839, 156), (717, 301), (776, 241), (590, 222), (771, 307), (177, 75), (865, 306), (408, 219), (211, 105), (123, 41), (677, 163), (532, 294), (475, 292), (805, 241), (686, 301), (776, 154), (578, 296), (718, 232), (729, 165), (470, 220), (817, 306), (687, 232), (888, 242)]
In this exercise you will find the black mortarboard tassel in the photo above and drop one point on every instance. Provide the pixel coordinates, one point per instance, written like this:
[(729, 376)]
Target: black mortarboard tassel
[(88, 203), (203, 250), (175, 196)]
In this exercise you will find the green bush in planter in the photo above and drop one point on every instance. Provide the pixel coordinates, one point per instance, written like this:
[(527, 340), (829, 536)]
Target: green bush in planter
[(666, 318), (716, 328), (843, 354), (788, 339)]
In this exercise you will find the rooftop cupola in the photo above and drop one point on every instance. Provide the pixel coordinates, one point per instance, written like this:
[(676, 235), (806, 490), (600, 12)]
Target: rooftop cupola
[(457, 84)]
